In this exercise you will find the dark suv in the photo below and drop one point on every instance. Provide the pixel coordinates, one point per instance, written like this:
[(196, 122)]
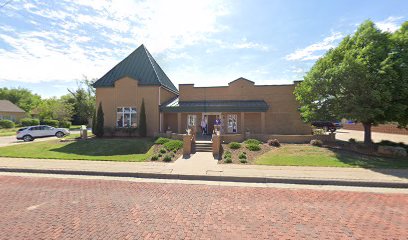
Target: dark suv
[(326, 125)]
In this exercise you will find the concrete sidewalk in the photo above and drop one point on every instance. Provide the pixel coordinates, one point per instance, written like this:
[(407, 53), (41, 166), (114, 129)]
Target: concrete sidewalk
[(193, 170)]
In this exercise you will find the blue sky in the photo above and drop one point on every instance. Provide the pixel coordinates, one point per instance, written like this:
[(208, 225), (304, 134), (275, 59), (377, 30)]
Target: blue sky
[(46, 46)]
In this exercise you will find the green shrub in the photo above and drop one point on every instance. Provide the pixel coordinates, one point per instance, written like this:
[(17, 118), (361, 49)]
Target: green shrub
[(252, 141), (155, 158), (242, 156), (253, 147), (29, 122), (162, 150), (243, 160), (228, 160), (50, 122), (142, 120), (167, 158), (174, 151), (100, 122), (227, 154), (234, 145), (161, 140), (173, 145), (64, 124), (316, 142), (159, 155), (274, 142), (6, 124), (352, 140)]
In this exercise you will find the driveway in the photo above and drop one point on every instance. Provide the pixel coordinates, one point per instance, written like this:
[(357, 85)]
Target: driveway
[(11, 140), (345, 135)]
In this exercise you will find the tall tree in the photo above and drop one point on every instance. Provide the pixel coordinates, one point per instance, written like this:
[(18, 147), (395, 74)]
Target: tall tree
[(83, 100), (142, 120), (353, 81), (99, 128), (55, 108), (22, 97)]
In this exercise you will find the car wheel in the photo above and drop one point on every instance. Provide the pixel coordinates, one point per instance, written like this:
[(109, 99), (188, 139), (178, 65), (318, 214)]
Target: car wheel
[(59, 134), (28, 138)]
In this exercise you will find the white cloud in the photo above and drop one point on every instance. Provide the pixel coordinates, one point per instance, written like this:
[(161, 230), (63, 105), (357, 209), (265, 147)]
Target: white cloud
[(315, 51), (391, 24), (74, 38)]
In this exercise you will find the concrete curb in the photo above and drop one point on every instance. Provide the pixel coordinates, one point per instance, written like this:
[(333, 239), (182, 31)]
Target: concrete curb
[(248, 179)]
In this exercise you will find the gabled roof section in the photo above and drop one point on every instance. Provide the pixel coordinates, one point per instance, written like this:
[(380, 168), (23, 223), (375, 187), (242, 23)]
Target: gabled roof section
[(7, 106), (139, 65), (241, 79)]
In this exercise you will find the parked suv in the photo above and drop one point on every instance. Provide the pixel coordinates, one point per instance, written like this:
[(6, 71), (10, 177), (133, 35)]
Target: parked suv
[(326, 125), (30, 133)]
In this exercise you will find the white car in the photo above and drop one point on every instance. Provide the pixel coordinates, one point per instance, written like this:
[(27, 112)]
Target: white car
[(30, 133)]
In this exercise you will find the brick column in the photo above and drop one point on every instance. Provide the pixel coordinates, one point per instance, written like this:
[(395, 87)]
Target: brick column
[(187, 145), (178, 122), (262, 122), (216, 146), (242, 123)]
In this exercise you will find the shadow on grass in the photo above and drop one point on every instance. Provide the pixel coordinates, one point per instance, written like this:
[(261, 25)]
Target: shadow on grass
[(397, 167), (107, 147)]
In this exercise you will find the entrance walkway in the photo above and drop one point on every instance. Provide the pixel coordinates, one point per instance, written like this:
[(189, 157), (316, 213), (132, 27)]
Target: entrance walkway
[(198, 163)]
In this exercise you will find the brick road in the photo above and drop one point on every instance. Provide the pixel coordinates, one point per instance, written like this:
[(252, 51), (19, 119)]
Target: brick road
[(47, 208)]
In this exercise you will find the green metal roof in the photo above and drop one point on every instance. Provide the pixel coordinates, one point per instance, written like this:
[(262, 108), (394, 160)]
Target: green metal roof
[(215, 106), (139, 65)]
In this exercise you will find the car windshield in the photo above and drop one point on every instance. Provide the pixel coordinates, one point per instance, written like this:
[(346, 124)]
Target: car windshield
[(22, 129)]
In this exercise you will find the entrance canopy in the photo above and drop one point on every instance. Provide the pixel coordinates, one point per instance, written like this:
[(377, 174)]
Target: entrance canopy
[(215, 106)]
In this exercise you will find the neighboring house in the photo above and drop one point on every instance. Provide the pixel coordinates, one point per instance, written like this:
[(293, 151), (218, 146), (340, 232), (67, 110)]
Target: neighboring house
[(242, 106), (10, 111)]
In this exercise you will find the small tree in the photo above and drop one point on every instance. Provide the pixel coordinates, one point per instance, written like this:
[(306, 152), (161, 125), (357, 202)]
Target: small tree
[(99, 122), (94, 122), (142, 121)]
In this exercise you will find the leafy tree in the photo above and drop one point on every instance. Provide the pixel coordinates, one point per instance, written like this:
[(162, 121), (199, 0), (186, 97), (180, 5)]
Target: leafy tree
[(99, 131), (83, 100), (22, 97), (142, 120), (356, 80), (55, 108)]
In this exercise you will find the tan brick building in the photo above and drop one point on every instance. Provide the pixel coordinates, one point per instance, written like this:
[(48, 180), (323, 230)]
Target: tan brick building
[(240, 107)]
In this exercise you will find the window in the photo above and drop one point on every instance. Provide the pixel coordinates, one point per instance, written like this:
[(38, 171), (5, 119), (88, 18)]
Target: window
[(191, 120), (232, 123), (126, 117)]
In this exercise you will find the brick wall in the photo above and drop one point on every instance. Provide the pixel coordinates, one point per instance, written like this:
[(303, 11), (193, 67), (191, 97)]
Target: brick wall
[(383, 128)]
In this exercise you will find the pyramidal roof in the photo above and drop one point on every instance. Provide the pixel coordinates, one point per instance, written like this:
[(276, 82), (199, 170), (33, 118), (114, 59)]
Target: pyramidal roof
[(139, 65)]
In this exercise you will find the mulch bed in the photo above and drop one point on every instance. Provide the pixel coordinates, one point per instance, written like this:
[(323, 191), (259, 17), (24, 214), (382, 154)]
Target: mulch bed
[(251, 155)]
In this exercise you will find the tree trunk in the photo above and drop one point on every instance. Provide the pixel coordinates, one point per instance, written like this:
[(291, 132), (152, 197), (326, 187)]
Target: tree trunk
[(367, 133)]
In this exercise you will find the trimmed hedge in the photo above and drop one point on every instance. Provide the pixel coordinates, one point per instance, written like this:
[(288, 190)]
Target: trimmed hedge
[(252, 141), (162, 140), (29, 122), (50, 122), (234, 145), (253, 147), (173, 145), (6, 124), (64, 124)]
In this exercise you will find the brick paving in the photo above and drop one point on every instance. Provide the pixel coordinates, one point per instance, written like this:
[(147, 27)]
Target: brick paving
[(51, 208)]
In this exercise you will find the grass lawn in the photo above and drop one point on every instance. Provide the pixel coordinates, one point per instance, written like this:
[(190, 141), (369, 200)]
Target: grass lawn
[(124, 150), (307, 155), (8, 131)]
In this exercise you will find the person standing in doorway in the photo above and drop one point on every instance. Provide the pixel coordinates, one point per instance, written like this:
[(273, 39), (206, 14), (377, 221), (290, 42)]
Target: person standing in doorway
[(203, 126)]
